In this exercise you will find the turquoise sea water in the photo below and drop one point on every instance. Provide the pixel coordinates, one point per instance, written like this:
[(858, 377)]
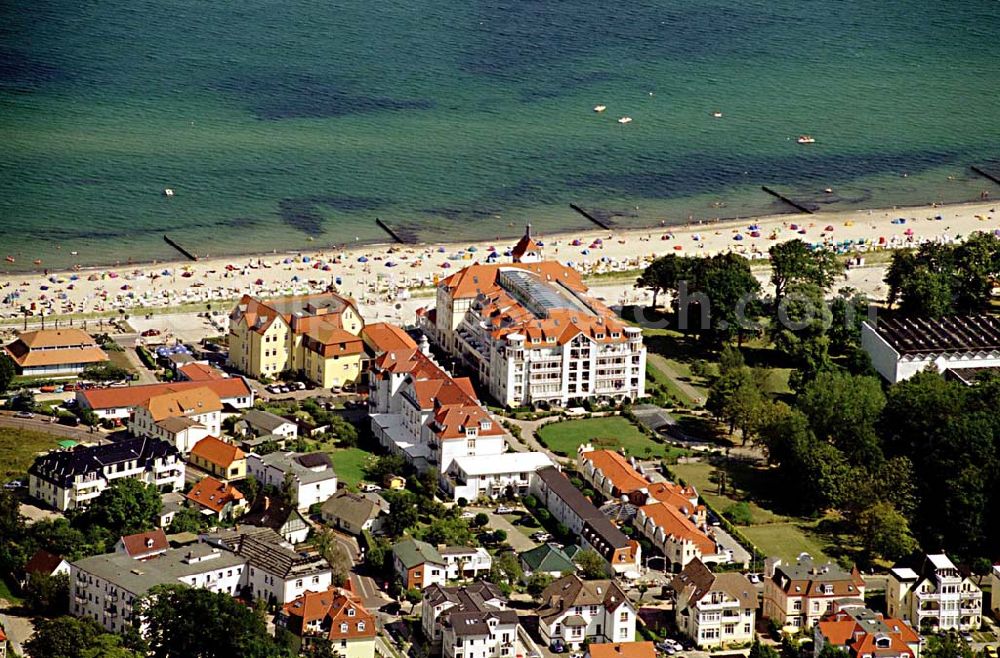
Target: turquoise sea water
[(279, 121)]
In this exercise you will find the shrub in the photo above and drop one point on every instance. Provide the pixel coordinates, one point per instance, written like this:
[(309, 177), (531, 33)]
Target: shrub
[(739, 513)]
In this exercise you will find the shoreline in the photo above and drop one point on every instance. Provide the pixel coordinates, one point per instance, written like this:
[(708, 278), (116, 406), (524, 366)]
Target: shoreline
[(379, 273)]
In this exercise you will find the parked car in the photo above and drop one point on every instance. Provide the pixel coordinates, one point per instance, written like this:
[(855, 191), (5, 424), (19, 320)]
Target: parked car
[(24, 414), (541, 536), (468, 515), (503, 509), (300, 386), (990, 651), (754, 578), (151, 332), (370, 488), (16, 484), (557, 646)]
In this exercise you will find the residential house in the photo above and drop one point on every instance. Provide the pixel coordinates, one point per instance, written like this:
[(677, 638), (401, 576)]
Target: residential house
[(677, 537), (311, 474), (182, 418), (382, 337), (574, 610), (465, 563), (220, 458), (107, 587), (275, 573), (935, 595), (262, 423), (570, 507), (863, 633), (420, 412), (546, 559), (394, 482), (491, 476), (118, 402), (620, 478), (335, 616), (714, 610), (418, 564), (995, 590), (621, 650), (355, 512), (216, 499), (316, 335), (283, 519), (799, 594), (901, 347), (43, 563), (471, 620), (143, 545), (170, 504), (533, 335), (68, 479), (54, 352)]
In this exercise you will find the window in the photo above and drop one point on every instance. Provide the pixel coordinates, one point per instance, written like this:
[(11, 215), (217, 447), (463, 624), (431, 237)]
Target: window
[(361, 626), (298, 583), (797, 605), (623, 617), (343, 627)]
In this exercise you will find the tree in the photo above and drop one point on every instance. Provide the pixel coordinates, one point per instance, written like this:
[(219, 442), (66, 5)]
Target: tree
[(885, 532), (537, 583), (481, 520), (946, 645), (592, 565), (106, 372), (844, 409), (383, 466), (184, 621), (126, 507), (404, 512), (847, 310), (449, 530), (47, 595), (70, 637), (330, 549), (796, 262), (799, 328), (738, 513), (736, 397), (506, 569), (188, 519), (758, 650), (831, 651), (8, 370)]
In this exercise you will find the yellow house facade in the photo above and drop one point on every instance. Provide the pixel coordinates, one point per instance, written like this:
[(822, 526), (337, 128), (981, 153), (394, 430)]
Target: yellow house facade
[(317, 335), (220, 458)]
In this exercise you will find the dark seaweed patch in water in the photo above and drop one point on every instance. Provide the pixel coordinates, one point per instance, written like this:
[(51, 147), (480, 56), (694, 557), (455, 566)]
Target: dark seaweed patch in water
[(26, 72), (308, 97), (239, 222), (701, 174), (302, 213)]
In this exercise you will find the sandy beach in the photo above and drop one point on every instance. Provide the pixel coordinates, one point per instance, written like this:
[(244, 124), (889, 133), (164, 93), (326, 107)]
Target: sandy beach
[(380, 276)]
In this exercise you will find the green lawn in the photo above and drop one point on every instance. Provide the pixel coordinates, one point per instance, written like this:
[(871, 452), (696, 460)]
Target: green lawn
[(349, 464), (785, 540), (6, 593), (119, 360), (611, 432), (18, 449), (774, 534)]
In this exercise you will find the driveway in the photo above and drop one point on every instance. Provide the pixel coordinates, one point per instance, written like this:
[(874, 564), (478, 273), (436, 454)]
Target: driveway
[(518, 541), (41, 424)]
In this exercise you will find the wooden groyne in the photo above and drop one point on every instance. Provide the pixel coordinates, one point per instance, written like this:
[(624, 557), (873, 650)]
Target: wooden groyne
[(392, 234), (188, 254), (793, 204), (985, 174), (586, 214)]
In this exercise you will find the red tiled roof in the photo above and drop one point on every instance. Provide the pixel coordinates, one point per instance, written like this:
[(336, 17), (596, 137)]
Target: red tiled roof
[(213, 494), (133, 396), (675, 524), (622, 650), (42, 562), (199, 372), (143, 543), (188, 402), (616, 468), (217, 451), (336, 607), (384, 337)]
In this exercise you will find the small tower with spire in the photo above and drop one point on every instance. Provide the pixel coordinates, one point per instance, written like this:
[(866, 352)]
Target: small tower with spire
[(527, 250)]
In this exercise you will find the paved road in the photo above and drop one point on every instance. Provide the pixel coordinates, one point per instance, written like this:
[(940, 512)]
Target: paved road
[(518, 541), (41, 424), (661, 364), (529, 438), (18, 629)]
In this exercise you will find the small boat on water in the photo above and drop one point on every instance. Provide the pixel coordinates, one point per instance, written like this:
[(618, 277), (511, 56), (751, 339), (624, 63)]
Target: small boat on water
[(10, 259), (805, 139), (74, 253), (717, 114), (37, 261), (167, 191), (625, 120), (600, 108)]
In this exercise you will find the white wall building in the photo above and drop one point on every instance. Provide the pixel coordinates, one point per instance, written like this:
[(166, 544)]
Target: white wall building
[(995, 591), (313, 477), (574, 610), (534, 336), (105, 588), (420, 412), (490, 475), (938, 597), (469, 621), (714, 609), (182, 418), (117, 402), (67, 479), (901, 347), (464, 563)]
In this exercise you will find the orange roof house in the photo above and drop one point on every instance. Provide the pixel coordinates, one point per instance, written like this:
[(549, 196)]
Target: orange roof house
[(335, 614), (865, 633), (187, 402), (622, 650), (223, 500), (526, 250), (383, 337), (115, 401), (143, 545), (54, 351), (220, 458)]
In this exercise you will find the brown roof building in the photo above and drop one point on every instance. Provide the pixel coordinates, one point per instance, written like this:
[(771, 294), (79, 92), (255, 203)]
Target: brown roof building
[(54, 352), (143, 545), (800, 594)]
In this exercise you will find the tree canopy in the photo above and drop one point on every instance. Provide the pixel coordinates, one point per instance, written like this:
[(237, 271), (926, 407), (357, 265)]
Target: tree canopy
[(126, 507)]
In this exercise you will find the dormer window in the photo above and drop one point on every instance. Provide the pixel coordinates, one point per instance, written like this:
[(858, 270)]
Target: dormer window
[(599, 336), (361, 626), (343, 627), (350, 612)]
